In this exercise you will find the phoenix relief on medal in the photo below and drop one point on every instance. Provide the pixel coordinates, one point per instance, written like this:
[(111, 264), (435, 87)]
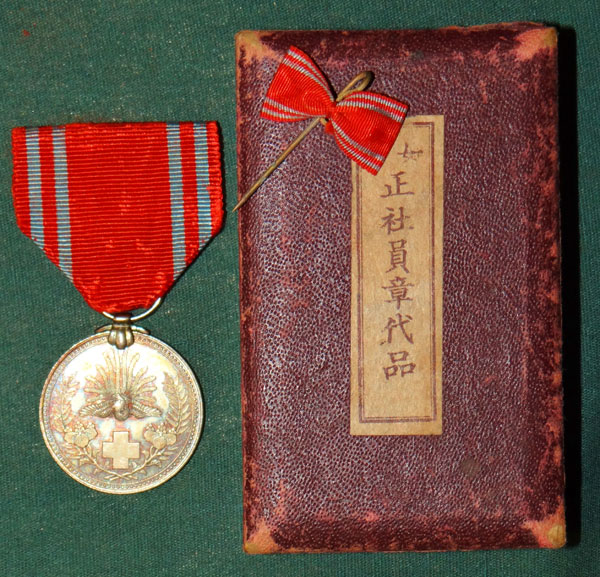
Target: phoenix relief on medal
[(121, 421)]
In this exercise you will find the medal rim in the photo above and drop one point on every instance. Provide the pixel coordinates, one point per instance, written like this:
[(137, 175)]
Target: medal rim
[(199, 421)]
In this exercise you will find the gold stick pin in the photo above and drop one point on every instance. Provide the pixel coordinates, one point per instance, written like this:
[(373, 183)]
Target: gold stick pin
[(358, 83)]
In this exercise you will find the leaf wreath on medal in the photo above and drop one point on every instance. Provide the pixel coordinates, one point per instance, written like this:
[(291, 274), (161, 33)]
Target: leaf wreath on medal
[(120, 391)]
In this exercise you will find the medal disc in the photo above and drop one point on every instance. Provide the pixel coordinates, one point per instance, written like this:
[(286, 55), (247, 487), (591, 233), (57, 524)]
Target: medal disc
[(121, 421)]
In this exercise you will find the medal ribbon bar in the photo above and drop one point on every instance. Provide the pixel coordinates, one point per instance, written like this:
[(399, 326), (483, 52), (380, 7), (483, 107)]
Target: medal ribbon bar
[(121, 209)]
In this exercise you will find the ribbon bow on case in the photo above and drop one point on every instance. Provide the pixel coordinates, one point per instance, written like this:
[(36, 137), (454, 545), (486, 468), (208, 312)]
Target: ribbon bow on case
[(365, 124)]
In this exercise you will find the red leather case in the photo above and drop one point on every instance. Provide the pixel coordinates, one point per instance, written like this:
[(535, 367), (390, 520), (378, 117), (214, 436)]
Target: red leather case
[(494, 478)]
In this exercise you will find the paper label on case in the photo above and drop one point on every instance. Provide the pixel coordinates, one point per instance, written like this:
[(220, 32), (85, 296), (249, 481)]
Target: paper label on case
[(397, 240)]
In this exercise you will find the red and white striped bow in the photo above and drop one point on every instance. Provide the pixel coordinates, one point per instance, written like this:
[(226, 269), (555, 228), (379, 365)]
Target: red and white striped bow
[(364, 124)]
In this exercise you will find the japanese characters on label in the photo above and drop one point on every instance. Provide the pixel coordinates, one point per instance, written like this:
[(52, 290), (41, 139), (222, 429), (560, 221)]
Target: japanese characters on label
[(396, 287)]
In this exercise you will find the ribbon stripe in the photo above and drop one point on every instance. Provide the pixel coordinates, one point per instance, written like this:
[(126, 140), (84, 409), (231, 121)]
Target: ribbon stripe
[(302, 62), (339, 132), (176, 183), (382, 105), (61, 184), (365, 124), (121, 209), (280, 108), (36, 215)]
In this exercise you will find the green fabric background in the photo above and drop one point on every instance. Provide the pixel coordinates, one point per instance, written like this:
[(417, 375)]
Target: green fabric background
[(132, 60)]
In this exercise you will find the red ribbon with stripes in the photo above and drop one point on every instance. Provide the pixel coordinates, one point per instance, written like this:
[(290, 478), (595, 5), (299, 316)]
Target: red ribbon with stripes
[(364, 124), (121, 209)]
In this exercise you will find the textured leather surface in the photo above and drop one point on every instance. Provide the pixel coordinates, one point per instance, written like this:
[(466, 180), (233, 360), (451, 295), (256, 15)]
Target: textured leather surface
[(494, 478)]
